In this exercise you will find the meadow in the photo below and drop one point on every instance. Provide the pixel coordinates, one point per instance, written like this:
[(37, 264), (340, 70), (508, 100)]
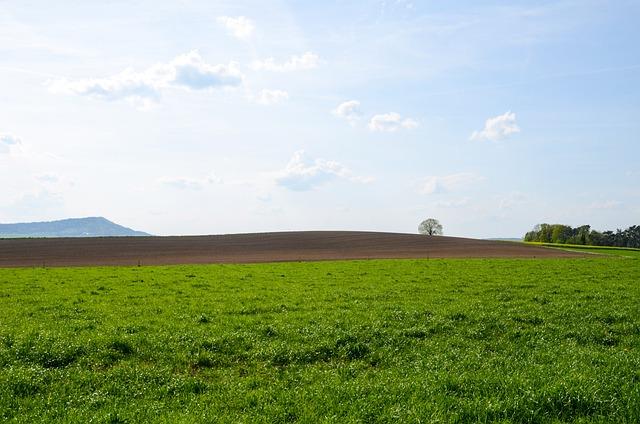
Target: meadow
[(417, 341), (628, 252)]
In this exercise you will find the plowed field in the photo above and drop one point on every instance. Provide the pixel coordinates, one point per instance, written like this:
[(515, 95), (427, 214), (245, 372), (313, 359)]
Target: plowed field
[(261, 247)]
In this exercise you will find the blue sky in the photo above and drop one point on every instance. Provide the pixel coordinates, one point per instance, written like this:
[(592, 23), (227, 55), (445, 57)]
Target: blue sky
[(195, 117)]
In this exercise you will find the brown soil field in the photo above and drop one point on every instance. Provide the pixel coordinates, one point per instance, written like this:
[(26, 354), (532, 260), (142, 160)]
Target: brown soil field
[(261, 247)]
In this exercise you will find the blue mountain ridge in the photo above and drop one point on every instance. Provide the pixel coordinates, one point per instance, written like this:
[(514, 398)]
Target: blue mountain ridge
[(74, 227)]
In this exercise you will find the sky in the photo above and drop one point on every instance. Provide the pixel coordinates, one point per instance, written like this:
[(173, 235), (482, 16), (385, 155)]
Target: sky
[(213, 117)]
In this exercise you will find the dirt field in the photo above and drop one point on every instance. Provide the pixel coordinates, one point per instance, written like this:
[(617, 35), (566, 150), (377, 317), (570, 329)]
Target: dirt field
[(264, 247)]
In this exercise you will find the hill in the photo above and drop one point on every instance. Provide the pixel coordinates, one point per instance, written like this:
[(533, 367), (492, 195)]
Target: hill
[(76, 227), (261, 247)]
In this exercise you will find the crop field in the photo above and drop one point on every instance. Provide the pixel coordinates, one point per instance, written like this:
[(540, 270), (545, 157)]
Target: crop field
[(431, 341)]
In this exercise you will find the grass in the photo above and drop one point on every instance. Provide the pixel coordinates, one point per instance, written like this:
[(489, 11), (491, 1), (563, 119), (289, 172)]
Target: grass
[(448, 341), (628, 252)]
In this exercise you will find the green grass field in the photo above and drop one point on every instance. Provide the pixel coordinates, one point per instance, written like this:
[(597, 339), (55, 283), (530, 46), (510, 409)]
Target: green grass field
[(442, 341), (628, 252)]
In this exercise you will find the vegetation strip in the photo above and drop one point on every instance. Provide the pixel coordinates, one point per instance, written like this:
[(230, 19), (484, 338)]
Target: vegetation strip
[(628, 252)]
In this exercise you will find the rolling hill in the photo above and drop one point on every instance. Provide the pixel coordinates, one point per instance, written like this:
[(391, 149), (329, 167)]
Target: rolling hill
[(261, 247)]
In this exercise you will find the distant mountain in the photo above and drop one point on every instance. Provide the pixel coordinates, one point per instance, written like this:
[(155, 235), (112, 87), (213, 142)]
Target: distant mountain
[(77, 227)]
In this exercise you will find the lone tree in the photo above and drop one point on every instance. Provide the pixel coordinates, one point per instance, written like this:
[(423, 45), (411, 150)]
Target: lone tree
[(430, 227)]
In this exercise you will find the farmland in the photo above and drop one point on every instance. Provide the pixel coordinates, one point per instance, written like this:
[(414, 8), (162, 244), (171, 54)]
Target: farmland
[(444, 340), (257, 247)]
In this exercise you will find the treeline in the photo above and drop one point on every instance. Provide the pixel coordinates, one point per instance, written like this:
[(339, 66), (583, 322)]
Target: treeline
[(564, 234)]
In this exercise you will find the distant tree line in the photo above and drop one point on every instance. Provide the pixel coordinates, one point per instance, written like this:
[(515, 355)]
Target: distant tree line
[(564, 234)]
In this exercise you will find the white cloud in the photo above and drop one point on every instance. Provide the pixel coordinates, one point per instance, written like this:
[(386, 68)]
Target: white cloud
[(7, 142), (264, 197), (497, 128), (447, 183), (607, 204), (303, 173), (48, 178), (307, 61), (188, 71), (192, 72), (270, 97), (240, 26), (511, 200), (349, 110), (34, 205), (390, 122), (138, 88), (405, 3), (453, 204), (188, 183)]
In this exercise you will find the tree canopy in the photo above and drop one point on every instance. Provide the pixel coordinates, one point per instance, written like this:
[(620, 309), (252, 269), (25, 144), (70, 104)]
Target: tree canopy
[(565, 234), (430, 227)]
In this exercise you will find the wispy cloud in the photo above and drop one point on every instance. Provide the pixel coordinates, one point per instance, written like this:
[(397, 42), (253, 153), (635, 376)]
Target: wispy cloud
[(511, 200), (497, 128), (453, 204), (390, 122), (447, 183), (605, 205), (17, 35), (239, 26), (349, 110), (7, 142), (303, 173), (34, 205), (188, 183), (270, 97), (304, 62), (188, 71), (48, 178)]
